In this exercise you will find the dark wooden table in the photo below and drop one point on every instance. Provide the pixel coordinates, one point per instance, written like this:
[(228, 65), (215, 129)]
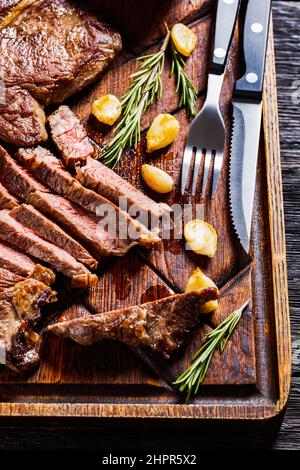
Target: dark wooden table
[(125, 435)]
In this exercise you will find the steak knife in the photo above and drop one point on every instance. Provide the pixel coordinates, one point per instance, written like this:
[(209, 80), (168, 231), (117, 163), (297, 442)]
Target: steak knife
[(247, 112)]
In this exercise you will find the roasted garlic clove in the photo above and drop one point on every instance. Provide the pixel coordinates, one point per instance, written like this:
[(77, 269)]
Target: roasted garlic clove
[(199, 280), (157, 179), (184, 39), (201, 237), (163, 130), (107, 109)]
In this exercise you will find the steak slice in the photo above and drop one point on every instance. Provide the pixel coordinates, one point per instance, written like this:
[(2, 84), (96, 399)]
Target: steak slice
[(12, 259), (7, 201), (54, 48), (28, 216), (19, 311), (163, 325), (70, 137), (15, 178), (13, 232), (108, 183), (126, 231), (22, 119), (8, 279), (83, 226)]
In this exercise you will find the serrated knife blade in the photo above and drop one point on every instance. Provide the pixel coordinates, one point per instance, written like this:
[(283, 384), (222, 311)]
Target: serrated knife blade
[(247, 113), (243, 161)]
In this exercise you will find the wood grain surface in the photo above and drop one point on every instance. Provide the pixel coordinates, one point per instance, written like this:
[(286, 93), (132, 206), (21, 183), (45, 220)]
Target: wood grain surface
[(283, 11)]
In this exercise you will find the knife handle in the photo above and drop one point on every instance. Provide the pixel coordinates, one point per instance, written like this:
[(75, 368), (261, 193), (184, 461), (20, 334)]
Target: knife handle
[(255, 38), (224, 27)]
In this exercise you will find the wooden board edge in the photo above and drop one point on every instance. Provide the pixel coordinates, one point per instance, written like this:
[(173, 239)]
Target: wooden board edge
[(277, 226)]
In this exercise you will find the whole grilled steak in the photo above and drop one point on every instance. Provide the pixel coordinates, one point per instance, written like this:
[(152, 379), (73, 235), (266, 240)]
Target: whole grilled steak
[(163, 325), (52, 49), (19, 312)]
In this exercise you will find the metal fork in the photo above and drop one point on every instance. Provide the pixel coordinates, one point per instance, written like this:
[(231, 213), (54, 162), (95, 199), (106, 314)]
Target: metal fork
[(207, 132)]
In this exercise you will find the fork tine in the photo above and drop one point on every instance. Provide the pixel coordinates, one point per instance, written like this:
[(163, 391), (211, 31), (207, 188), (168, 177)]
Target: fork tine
[(187, 158), (196, 170), (207, 161), (216, 173)]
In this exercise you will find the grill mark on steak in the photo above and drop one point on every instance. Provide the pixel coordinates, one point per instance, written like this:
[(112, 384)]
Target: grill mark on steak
[(48, 169), (163, 325), (70, 137), (12, 259), (15, 178), (48, 230), (19, 312), (13, 232), (7, 201), (22, 119), (104, 181)]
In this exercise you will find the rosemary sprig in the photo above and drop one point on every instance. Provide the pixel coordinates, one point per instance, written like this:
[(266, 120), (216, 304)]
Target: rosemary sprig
[(145, 88), (186, 88), (194, 375)]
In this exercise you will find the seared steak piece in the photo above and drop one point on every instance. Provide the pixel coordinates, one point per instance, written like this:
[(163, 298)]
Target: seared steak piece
[(54, 49), (15, 178), (104, 181), (13, 232), (48, 169), (8, 279), (81, 225), (70, 137), (19, 312), (163, 325), (28, 216), (7, 201), (12, 259), (22, 119)]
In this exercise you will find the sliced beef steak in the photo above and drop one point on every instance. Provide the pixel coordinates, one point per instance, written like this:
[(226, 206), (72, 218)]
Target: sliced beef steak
[(16, 234), (124, 230), (19, 311), (22, 119), (12, 259), (7, 201), (8, 279), (83, 226), (28, 216), (163, 325), (15, 178), (104, 181), (70, 137)]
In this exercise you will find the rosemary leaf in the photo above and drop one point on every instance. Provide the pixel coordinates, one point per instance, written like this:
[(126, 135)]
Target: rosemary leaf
[(194, 375), (145, 88), (186, 88)]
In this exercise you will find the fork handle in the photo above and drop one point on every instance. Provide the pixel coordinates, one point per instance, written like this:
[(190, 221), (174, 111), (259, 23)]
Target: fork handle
[(254, 44), (225, 23)]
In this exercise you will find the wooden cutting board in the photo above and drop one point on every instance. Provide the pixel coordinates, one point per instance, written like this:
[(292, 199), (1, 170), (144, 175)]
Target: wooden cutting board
[(251, 379)]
